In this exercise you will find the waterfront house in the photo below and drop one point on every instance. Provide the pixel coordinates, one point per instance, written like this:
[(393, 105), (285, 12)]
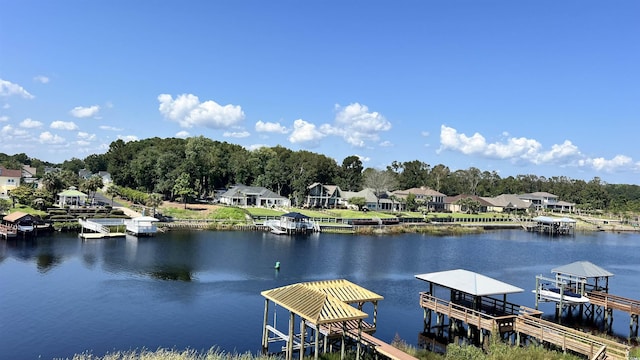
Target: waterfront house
[(433, 200), (242, 195), (546, 201), (9, 180), (383, 201), (324, 196), (508, 203), (461, 204)]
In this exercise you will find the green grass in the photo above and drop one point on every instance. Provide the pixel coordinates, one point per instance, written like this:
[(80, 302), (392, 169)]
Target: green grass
[(27, 210), (256, 211), (221, 213)]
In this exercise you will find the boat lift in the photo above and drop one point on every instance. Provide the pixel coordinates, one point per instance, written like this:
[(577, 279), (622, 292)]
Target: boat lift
[(563, 290)]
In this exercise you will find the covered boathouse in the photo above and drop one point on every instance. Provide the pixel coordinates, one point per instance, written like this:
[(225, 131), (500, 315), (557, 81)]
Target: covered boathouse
[(553, 225), (327, 318), (475, 301)]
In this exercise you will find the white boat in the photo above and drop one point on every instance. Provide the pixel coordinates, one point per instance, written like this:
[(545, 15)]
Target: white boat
[(553, 294)]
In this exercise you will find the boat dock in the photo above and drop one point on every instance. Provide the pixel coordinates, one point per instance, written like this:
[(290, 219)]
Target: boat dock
[(102, 228), (8, 232), (474, 312)]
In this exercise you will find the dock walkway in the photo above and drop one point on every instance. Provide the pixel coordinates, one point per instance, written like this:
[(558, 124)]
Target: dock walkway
[(380, 347), (526, 323), (7, 232)]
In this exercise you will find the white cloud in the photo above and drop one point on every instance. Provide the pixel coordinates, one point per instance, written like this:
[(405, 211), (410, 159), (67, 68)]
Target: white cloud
[(363, 158), (188, 111), (86, 136), (617, 162), (357, 125), (83, 143), (6, 106), (7, 88), (255, 147), (236, 134), (30, 124), (386, 143), (49, 138), (109, 128), (425, 133), (530, 150), (270, 127), (305, 133), (64, 125), (85, 112), (515, 149), (41, 79), (128, 138), (182, 134), (4, 118)]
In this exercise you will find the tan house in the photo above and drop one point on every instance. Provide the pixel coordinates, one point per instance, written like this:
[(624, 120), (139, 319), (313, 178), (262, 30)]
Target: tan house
[(508, 203), (434, 200), (457, 203), (9, 179)]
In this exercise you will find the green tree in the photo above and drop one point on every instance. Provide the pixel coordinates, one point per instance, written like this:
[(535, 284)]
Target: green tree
[(22, 194), (358, 201), (351, 173), (92, 184), (154, 201), (183, 188), (113, 191)]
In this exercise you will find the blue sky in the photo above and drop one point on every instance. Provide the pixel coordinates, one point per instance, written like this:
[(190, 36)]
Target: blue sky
[(550, 88)]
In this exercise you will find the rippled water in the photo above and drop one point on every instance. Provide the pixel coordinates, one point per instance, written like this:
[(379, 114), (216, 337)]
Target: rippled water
[(60, 296)]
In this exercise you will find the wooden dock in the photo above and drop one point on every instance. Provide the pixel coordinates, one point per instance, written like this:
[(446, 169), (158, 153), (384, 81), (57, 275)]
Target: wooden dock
[(8, 232), (380, 347), (525, 323), (608, 303), (93, 236)]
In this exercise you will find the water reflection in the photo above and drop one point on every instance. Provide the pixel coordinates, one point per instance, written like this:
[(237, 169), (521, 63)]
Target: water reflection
[(200, 289)]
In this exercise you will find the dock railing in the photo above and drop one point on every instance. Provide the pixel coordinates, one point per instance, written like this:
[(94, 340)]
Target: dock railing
[(571, 339), (503, 321)]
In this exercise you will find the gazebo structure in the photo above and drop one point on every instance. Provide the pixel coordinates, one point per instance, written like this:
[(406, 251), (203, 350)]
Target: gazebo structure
[(324, 307), (476, 300), (71, 197)]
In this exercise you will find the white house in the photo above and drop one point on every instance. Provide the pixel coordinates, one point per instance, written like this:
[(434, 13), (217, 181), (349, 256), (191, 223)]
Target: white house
[(242, 195)]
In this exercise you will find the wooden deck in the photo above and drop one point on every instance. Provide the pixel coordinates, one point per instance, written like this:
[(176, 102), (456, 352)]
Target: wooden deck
[(570, 339), (93, 236), (7, 232), (381, 347), (524, 321), (608, 301)]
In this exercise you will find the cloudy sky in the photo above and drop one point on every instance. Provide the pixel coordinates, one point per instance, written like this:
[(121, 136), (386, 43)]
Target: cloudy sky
[(550, 88)]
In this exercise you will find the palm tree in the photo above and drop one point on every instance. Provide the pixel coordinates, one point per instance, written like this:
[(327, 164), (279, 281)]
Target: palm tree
[(113, 191), (154, 200)]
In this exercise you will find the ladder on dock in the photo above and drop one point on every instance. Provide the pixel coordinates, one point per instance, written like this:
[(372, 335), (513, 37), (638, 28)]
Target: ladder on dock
[(94, 226)]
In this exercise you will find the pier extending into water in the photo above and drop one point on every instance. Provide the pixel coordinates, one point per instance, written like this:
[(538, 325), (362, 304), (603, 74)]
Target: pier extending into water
[(101, 228), (327, 319), (475, 313)]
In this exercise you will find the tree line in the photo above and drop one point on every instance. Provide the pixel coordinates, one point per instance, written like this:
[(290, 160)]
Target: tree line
[(202, 166)]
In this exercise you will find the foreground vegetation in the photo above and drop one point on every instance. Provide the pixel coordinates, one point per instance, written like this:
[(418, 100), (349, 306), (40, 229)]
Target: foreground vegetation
[(496, 351)]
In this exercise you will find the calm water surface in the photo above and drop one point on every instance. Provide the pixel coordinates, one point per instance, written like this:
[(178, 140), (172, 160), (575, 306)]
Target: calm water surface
[(60, 296)]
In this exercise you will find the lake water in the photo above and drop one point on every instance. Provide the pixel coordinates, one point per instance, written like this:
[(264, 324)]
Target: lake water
[(60, 295)]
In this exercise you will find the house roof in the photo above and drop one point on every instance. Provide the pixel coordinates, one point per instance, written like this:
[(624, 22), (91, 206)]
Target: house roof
[(419, 191), (295, 215), (72, 193), (469, 282), (509, 201), (322, 302), (582, 269), (15, 216), (239, 190), (331, 189), (4, 172), (538, 195), (453, 199)]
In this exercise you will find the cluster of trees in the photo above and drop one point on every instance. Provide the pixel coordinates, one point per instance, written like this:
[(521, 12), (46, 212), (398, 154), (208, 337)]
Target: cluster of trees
[(198, 166)]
